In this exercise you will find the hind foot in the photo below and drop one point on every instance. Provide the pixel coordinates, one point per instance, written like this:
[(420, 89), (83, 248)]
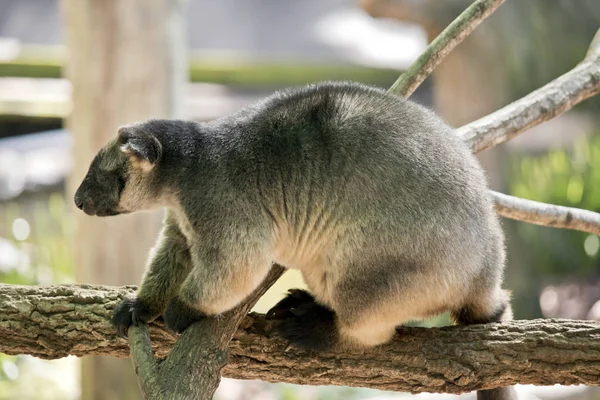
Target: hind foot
[(306, 324)]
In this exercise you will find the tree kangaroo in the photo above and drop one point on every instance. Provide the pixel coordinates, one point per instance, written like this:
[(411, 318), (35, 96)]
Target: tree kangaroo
[(372, 197)]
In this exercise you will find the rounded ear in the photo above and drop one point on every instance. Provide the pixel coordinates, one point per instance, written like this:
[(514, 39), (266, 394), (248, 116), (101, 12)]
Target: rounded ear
[(144, 146)]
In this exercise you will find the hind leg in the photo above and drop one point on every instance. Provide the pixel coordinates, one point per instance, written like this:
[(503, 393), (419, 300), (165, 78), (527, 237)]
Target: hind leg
[(354, 310), (311, 326)]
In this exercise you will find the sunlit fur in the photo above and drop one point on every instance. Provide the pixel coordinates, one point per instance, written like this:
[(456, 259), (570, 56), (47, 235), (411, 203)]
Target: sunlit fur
[(373, 198)]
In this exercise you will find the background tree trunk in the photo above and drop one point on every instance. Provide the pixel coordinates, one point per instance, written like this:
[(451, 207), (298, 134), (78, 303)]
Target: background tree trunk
[(125, 64)]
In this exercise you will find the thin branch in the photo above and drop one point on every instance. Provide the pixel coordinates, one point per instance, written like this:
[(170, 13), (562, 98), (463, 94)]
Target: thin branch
[(143, 361), (553, 99), (593, 53), (550, 215), (55, 321), (441, 46)]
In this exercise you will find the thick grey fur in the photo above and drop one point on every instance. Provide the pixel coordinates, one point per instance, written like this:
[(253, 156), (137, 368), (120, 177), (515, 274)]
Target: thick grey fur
[(372, 197)]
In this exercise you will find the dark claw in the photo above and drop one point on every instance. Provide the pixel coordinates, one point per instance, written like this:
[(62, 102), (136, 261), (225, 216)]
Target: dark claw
[(123, 317), (178, 315), (122, 332), (131, 311)]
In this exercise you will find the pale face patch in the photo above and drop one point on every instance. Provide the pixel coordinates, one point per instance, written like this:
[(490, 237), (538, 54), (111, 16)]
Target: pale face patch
[(136, 196)]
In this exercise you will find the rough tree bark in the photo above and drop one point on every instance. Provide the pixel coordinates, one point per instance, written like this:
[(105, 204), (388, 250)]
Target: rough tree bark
[(52, 322), (125, 64), (47, 321)]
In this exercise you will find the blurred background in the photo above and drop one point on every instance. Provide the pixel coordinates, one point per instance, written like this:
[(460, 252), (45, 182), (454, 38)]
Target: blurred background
[(72, 71)]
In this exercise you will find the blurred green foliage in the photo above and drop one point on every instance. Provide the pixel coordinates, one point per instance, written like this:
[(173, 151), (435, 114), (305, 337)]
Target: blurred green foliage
[(568, 177)]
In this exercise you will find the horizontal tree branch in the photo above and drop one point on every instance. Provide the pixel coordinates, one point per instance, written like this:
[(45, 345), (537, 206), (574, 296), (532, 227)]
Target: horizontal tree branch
[(442, 45), (550, 215), (539, 106), (56, 321)]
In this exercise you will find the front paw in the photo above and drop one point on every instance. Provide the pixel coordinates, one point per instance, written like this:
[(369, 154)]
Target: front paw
[(131, 311), (178, 315)]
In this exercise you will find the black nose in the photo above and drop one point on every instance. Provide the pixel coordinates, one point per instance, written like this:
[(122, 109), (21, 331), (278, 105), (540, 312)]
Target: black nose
[(78, 202)]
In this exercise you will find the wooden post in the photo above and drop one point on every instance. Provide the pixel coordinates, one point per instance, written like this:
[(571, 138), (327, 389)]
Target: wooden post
[(126, 63)]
